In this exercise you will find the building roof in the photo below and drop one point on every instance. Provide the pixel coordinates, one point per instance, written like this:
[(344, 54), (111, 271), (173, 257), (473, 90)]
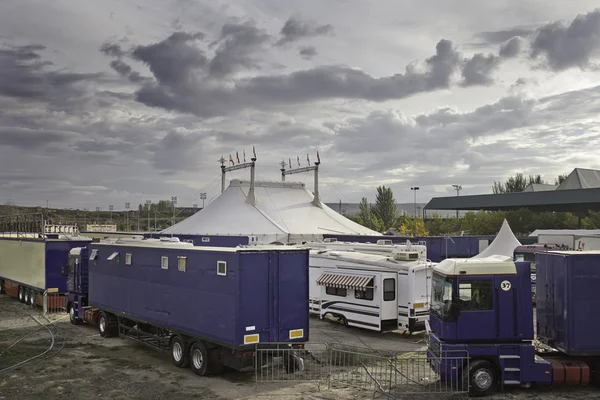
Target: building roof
[(283, 212), (581, 178), (540, 187), (556, 200)]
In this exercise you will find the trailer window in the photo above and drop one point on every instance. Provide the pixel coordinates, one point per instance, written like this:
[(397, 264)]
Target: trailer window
[(114, 257), (389, 289), (475, 295), (366, 294), (164, 262), (221, 268), (127, 258), (332, 291), (181, 263)]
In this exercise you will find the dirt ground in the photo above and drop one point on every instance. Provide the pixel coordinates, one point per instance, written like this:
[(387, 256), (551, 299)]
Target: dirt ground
[(83, 365)]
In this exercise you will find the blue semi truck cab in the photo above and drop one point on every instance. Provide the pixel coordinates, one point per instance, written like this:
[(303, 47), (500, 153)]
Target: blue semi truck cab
[(481, 325)]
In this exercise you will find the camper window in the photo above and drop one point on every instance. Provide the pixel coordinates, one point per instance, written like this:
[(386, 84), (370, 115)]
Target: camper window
[(389, 289), (476, 295), (366, 294), (164, 262), (335, 291)]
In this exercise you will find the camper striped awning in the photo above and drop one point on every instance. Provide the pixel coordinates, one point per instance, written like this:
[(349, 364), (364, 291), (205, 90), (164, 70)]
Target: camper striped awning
[(345, 281)]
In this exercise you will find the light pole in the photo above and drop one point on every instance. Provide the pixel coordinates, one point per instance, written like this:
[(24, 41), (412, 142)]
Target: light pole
[(127, 205), (110, 208), (203, 197), (414, 189), (174, 203), (148, 202), (458, 188)]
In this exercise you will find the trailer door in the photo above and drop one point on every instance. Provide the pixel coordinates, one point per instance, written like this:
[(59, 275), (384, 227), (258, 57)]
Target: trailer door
[(290, 270)]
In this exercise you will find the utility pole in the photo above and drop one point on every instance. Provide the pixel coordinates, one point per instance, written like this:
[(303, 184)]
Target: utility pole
[(458, 188), (203, 197), (110, 208), (127, 216), (173, 203), (414, 189)]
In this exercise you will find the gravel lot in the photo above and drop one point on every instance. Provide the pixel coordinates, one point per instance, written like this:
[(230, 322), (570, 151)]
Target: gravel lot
[(83, 365)]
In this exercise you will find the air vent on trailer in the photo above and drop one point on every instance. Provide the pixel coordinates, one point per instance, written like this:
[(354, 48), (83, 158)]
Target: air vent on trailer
[(406, 256)]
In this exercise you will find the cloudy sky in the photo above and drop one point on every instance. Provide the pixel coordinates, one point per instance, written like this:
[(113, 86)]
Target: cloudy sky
[(122, 101)]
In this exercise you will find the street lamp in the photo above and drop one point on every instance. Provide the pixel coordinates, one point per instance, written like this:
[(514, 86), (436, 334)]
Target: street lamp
[(458, 188), (148, 202), (414, 189), (203, 197)]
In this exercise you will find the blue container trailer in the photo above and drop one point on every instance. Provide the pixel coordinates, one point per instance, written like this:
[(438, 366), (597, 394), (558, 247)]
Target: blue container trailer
[(482, 328), (209, 307), (34, 264)]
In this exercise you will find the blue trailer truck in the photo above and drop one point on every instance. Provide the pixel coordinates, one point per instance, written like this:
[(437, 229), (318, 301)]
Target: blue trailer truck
[(482, 314), (32, 264), (210, 307)]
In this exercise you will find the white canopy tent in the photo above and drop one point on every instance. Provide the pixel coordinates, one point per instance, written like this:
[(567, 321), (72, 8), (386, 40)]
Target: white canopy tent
[(504, 244), (282, 212)]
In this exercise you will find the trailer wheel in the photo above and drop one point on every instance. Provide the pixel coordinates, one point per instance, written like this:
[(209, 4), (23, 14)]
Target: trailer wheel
[(21, 294), (179, 355), (72, 317), (199, 358), (103, 327), (32, 297), (482, 378), (2, 290)]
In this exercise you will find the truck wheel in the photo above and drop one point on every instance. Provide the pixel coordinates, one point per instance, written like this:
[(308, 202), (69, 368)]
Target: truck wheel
[(180, 357), (72, 317), (482, 378), (21, 294), (199, 358), (103, 327)]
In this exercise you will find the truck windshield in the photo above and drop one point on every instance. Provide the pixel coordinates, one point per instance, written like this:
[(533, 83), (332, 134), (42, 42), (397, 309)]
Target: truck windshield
[(442, 295)]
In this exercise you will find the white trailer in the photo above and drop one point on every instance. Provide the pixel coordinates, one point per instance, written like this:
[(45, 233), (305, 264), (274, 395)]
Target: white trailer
[(371, 291)]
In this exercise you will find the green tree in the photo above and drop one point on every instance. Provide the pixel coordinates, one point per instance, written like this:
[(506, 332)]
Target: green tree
[(560, 179), (516, 183), (385, 207)]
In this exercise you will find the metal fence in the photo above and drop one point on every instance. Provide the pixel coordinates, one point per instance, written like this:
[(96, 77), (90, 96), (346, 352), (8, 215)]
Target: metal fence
[(334, 366), (53, 303)]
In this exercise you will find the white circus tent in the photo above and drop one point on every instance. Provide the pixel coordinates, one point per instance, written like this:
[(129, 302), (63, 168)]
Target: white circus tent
[(284, 212), (504, 243)]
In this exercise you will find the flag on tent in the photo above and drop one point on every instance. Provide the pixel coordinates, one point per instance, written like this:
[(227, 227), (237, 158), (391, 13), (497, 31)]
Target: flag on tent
[(308, 159), (290, 163), (231, 160), (254, 151), (318, 158), (244, 155), (298, 160), (237, 156)]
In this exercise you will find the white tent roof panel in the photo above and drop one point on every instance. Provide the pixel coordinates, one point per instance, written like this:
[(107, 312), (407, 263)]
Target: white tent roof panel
[(283, 212)]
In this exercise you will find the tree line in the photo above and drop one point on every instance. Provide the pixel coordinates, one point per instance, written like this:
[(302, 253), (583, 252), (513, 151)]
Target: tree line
[(383, 215)]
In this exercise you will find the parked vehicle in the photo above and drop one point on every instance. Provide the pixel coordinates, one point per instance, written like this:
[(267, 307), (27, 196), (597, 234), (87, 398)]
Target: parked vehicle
[(210, 307), (31, 264), (371, 291), (482, 311)]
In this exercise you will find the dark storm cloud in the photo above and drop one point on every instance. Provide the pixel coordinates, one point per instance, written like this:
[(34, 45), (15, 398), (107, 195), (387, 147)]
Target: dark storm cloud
[(498, 37), (25, 76), (237, 44), (562, 46), (478, 69), (307, 52), (173, 60), (511, 48), (121, 67), (295, 29), (323, 82), (27, 139), (112, 49)]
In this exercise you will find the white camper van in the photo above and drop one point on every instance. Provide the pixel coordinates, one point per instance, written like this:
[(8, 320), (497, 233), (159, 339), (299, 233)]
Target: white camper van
[(371, 291)]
